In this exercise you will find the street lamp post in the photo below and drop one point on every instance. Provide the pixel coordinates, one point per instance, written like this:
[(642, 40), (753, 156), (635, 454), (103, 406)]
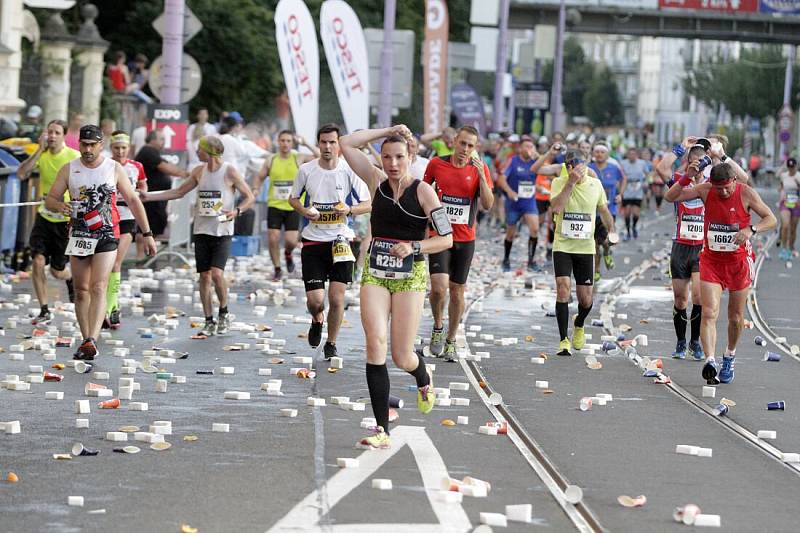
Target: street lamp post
[(387, 56), (558, 68), (500, 73)]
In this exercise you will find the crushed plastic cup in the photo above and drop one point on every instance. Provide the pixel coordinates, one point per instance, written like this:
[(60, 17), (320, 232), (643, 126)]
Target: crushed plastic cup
[(573, 494), (628, 501), (776, 406), (52, 377), (760, 341), (607, 346), (475, 482), (721, 410), (79, 449), (109, 404), (585, 404), (690, 512)]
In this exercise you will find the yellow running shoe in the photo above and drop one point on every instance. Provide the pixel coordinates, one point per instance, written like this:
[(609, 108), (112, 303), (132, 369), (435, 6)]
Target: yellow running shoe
[(564, 348), (578, 337), (379, 441), (426, 398)]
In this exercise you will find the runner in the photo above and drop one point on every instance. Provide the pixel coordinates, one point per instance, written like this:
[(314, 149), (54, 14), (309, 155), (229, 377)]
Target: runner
[(519, 184), (635, 170), (726, 262), (461, 181), (687, 243), (120, 148), (441, 143), (217, 183), (48, 238), (93, 182), (282, 169), (789, 208), (614, 182), (395, 277), (332, 193), (577, 199)]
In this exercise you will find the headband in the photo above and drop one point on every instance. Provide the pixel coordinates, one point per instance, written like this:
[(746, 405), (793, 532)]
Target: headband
[(120, 138), (206, 147)]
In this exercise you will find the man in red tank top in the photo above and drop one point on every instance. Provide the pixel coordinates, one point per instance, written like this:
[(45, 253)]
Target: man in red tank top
[(726, 261)]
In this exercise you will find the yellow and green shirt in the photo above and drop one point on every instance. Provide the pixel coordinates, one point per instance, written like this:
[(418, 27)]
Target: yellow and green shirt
[(575, 223), (49, 165), (282, 173)]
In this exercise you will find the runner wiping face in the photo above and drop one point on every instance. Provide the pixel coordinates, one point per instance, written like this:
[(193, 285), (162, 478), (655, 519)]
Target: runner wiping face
[(526, 150)]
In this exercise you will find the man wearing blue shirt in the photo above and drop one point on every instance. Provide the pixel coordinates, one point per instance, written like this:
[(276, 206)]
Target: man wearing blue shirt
[(519, 184), (614, 182)]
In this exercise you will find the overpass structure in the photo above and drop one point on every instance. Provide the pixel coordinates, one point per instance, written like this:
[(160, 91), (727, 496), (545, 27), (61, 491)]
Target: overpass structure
[(591, 17)]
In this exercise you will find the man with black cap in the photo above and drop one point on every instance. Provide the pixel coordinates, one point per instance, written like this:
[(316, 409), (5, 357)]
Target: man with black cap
[(93, 182), (726, 261)]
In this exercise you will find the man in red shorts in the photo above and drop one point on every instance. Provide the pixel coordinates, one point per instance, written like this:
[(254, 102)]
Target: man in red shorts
[(726, 261), (463, 182)]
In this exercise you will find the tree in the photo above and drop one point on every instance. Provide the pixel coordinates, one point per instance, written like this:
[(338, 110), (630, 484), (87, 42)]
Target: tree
[(751, 85), (602, 100), (578, 73)]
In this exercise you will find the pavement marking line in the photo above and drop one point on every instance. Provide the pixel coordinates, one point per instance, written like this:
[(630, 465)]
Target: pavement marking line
[(528, 447), (319, 460), (305, 515), (678, 390)]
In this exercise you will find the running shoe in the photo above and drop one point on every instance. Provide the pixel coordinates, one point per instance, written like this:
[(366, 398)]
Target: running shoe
[(223, 324), (437, 342), (209, 328), (378, 441), (726, 372), (278, 275), (608, 259), (87, 350), (626, 237), (635, 233), (426, 398), (289, 262), (710, 372), (564, 348), (43, 319), (114, 320), (506, 265), (449, 353), (330, 350), (680, 350), (696, 350), (578, 337), (596, 277), (106, 323), (532, 267), (315, 334)]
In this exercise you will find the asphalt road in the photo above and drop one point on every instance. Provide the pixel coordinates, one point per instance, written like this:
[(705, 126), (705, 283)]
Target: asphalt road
[(272, 473)]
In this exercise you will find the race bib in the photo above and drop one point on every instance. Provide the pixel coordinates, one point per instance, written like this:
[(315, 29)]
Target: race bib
[(328, 218), (577, 226), (383, 265), (281, 190), (209, 203), (457, 208), (525, 189), (791, 200), (721, 237), (342, 251), (80, 245), (691, 227)]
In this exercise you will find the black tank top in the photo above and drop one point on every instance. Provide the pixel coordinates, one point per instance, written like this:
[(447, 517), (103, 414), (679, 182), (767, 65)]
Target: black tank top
[(403, 222)]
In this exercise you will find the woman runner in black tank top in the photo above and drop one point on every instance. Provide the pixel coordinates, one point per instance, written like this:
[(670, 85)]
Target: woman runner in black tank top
[(395, 278)]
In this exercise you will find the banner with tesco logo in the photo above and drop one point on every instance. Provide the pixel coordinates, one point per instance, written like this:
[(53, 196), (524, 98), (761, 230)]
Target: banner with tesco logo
[(346, 51), (434, 64), (297, 46)]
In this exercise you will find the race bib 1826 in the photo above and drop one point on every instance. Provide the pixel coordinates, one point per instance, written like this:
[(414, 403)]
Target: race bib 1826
[(457, 208)]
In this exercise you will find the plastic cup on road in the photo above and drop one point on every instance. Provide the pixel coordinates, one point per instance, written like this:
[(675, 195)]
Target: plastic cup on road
[(690, 511), (772, 356), (82, 367), (79, 449), (573, 494), (585, 404), (395, 402), (760, 341), (776, 406), (495, 398)]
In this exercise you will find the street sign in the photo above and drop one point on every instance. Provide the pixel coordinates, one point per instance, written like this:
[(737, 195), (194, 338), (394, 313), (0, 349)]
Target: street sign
[(191, 24), (531, 96), (173, 120), (191, 77)]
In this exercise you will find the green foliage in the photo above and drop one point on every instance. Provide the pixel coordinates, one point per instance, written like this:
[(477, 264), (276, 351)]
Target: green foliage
[(752, 85), (602, 100)]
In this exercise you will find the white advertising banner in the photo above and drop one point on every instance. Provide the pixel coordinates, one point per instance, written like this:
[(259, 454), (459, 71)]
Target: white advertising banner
[(346, 51), (297, 45)]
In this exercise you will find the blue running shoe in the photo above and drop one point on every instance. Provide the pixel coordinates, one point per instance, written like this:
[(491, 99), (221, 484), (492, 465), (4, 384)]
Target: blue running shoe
[(710, 372), (726, 373), (696, 350), (680, 350)]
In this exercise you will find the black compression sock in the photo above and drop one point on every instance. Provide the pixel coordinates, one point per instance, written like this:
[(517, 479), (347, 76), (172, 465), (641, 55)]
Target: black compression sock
[(507, 244), (223, 310), (532, 243), (697, 315), (583, 312), (562, 317), (420, 373), (378, 385), (635, 221), (628, 223), (210, 318), (679, 320), (45, 309)]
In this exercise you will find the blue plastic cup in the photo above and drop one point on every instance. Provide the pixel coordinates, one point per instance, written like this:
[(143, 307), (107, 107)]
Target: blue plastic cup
[(776, 406), (772, 356)]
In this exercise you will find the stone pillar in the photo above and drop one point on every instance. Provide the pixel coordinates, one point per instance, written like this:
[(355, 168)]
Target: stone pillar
[(90, 50), (11, 21), (56, 53)]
